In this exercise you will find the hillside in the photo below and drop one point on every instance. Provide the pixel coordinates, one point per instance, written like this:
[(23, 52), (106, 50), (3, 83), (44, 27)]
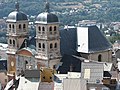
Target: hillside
[(68, 11)]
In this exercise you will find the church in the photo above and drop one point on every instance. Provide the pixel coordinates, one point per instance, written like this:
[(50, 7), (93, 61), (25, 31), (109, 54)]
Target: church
[(50, 47)]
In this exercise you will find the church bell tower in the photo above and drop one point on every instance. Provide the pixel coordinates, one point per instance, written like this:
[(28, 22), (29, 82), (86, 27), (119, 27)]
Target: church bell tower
[(47, 39), (17, 31)]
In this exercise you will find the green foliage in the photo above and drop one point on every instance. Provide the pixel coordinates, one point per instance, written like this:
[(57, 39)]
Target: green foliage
[(112, 39), (108, 12)]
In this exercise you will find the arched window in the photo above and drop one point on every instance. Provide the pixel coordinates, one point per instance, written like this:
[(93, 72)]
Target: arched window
[(13, 42), (24, 26), (99, 58), (9, 25), (43, 45), (51, 45), (10, 41), (43, 30), (13, 26), (55, 28), (55, 45), (50, 29), (19, 26), (39, 45), (39, 28)]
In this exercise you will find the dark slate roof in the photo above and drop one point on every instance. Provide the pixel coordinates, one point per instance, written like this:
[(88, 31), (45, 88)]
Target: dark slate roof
[(16, 16), (67, 62), (97, 41), (32, 74), (46, 17), (68, 41), (3, 65)]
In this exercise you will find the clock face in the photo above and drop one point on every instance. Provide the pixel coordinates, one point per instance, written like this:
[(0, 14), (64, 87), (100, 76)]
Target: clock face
[(12, 63)]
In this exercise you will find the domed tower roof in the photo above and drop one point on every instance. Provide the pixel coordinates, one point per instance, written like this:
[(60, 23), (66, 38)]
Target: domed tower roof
[(16, 15), (47, 17)]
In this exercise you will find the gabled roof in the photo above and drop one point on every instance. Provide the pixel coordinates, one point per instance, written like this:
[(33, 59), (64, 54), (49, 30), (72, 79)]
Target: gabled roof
[(91, 39)]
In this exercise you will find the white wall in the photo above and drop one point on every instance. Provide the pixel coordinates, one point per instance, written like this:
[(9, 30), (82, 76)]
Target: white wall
[(82, 39)]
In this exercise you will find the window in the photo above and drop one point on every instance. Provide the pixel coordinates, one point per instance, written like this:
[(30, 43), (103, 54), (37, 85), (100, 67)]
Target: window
[(50, 29), (24, 26), (19, 26), (9, 25), (55, 45), (55, 28), (39, 28), (44, 77), (99, 58), (43, 45), (13, 26), (10, 41), (43, 29), (51, 46), (13, 42), (39, 45)]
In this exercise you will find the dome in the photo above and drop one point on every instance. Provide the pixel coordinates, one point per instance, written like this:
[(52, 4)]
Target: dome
[(16, 16), (47, 17)]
